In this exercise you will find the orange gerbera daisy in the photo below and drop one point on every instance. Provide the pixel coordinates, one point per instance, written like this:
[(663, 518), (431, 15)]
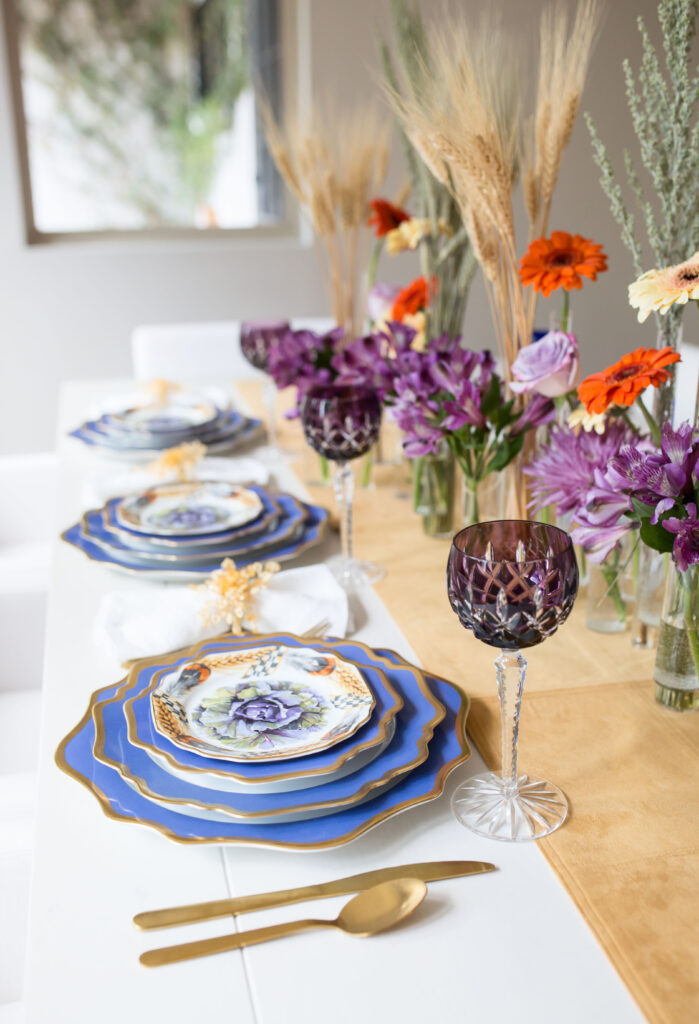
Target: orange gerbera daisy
[(622, 383), (413, 298), (559, 262), (385, 216)]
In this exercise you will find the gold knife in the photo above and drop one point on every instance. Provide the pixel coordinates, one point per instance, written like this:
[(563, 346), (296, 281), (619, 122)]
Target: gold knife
[(432, 871)]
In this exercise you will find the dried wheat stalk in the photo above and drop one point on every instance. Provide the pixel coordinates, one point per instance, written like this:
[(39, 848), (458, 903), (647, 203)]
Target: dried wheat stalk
[(467, 122), (333, 164)]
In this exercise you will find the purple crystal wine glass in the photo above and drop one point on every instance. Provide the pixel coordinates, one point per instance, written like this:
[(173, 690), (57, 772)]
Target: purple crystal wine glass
[(341, 422), (257, 338), (513, 583)]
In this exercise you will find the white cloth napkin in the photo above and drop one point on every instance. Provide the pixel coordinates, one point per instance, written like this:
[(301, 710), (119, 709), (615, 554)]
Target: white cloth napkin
[(119, 481), (139, 623)]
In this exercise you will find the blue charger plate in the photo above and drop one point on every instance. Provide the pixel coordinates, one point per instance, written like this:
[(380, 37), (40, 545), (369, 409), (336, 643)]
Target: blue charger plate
[(416, 722), (286, 528), (312, 533), (448, 748), (225, 438), (229, 421)]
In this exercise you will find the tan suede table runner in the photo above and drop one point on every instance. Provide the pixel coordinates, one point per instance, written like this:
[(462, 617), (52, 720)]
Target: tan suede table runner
[(629, 852)]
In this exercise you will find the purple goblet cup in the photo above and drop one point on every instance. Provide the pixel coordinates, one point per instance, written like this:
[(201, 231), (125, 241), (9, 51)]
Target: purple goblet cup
[(341, 423), (257, 338), (512, 583)]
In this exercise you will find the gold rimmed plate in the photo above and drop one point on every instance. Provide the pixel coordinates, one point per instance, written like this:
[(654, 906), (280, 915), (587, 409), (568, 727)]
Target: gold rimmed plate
[(261, 703), (271, 776), (190, 509), (448, 748)]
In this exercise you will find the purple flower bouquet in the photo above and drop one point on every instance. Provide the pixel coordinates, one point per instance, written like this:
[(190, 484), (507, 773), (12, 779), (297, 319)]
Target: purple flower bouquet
[(444, 395)]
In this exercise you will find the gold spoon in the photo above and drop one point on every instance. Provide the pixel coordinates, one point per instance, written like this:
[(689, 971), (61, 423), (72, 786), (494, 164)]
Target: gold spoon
[(371, 911)]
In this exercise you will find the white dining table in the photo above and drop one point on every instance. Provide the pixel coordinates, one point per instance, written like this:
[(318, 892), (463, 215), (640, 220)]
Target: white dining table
[(500, 947)]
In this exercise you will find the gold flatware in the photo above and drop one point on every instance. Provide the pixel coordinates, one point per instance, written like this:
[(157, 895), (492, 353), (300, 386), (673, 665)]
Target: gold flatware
[(373, 911), (431, 871)]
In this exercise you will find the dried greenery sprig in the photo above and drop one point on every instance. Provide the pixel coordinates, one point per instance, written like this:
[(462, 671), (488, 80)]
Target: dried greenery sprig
[(465, 117), (333, 163), (179, 462), (664, 108), (231, 592), (453, 263)]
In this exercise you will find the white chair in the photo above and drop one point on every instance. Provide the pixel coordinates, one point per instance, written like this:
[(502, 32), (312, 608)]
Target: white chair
[(27, 524), (198, 351)]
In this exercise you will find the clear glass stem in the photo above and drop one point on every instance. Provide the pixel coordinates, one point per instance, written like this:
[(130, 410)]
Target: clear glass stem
[(270, 397), (511, 668), (343, 481)]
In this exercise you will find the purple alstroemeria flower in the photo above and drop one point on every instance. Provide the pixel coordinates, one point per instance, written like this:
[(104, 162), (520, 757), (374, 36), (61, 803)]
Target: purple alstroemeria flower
[(685, 549), (550, 366), (539, 410), (659, 478), (303, 358), (602, 521)]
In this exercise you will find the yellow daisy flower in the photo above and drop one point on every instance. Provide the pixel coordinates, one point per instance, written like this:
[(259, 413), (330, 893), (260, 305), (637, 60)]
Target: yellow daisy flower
[(661, 289)]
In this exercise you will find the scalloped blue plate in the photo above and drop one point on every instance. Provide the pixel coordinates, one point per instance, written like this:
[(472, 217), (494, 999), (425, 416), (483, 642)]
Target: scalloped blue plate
[(417, 719), (448, 748), (311, 534)]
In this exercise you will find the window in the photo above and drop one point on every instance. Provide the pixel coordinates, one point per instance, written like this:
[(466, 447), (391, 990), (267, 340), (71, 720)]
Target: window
[(137, 115)]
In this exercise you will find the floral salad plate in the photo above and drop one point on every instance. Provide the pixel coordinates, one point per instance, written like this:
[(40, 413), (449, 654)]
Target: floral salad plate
[(288, 526), (262, 703), (282, 544), (120, 801), (417, 719), (183, 509), (343, 758), (231, 431), (191, 543), (174, 417)]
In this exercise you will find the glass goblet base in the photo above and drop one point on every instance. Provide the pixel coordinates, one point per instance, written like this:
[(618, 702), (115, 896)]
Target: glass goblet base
[(353, 573), (490, 807)]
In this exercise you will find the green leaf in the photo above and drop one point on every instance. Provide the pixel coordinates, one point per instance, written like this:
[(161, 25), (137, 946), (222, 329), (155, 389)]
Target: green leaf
[(491, 399), (505, 453), (641, 509), (655, 537)]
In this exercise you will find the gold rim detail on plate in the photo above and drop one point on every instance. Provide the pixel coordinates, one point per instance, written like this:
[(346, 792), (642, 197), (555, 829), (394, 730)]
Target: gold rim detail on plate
[(259, 524), (186, 576), (388, 716), (437, 790), (243, 816)]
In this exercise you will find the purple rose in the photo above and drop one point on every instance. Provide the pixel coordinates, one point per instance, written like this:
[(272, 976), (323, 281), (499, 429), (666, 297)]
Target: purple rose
[(550, 366), (380, 301)]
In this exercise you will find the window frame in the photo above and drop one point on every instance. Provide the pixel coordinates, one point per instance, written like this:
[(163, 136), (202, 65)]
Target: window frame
[(294, 22)]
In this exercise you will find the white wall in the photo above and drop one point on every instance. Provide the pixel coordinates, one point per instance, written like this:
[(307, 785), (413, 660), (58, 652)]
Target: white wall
[(67, 309)]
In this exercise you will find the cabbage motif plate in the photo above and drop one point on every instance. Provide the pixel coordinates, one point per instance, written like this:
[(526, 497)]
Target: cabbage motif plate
[(262, 704)]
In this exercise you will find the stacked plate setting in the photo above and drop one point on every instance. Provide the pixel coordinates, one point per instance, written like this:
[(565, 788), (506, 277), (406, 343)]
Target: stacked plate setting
[(183, 531), (142, 433), (268, 741)]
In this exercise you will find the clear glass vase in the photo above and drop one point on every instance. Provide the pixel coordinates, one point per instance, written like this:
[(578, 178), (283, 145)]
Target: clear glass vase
[(484, 502), (609, 594), (434, 486), (669, 334), (676, 671), (651, 572)]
